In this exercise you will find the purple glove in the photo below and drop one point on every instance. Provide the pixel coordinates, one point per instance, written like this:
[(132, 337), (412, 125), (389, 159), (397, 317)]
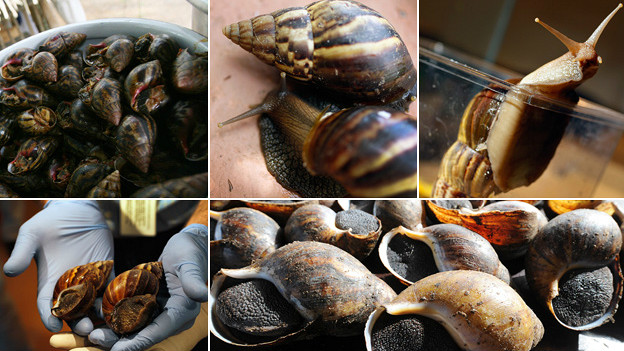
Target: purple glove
[(63, 235), (185, 262)]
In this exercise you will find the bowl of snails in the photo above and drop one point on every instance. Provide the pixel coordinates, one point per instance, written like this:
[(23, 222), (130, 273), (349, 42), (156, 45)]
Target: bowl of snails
[(107, 108), (389, 275), (505, 134), (243, 151)]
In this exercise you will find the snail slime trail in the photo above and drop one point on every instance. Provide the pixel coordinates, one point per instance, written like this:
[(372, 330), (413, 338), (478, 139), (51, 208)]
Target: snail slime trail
[(413, 333)]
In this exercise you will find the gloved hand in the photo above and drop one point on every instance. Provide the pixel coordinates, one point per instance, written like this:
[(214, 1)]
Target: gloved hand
[(63, 235), (185, 262), (183, 341)]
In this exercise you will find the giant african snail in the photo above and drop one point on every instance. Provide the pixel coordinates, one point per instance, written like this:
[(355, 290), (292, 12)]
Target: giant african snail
[(503, 142)]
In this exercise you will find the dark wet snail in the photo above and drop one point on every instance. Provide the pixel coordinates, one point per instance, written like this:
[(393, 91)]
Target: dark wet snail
[(508, 225), (241, 236), (370, 151), (452, 247), (129, 301), (354, 231), (573, 268), (504, 142), (324, 41), (479, 311), (312, 288), (75, 290)]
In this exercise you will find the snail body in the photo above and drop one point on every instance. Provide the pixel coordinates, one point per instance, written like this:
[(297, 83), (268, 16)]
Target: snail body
[(354, 231), (129, 301), (579, 239), (504, 142), (75, 290), (343, 46), (371, 151), (331, 290), (478, 310)]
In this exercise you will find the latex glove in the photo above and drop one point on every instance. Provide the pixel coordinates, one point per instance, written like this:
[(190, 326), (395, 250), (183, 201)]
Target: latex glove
[(63, 235), (183, 341), (185, 262)]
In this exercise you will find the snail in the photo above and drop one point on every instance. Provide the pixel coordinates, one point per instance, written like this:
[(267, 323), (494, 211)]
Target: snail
[(343, 46), (393, 213), (478, 310), (354, 231), (508, 225), (110, 186), (76, 289), (129, 301), (453, 248), (505, 142), (280, 210), (320, 288), (577, 247), (241, 236), (370, 151)]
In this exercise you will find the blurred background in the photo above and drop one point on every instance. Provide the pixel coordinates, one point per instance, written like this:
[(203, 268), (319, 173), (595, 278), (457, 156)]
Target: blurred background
[(504, 33)]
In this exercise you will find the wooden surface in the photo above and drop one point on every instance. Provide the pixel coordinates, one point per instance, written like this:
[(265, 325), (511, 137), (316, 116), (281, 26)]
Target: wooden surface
[(238, 80)]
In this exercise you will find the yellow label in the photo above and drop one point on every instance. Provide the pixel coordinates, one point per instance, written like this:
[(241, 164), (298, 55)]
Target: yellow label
[(137, 217)]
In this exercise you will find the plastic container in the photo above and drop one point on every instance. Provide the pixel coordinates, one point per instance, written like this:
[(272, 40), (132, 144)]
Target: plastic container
[(446, 87)]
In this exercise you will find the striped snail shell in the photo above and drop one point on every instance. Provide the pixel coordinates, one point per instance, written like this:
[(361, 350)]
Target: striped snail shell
[(478, 310), (129, 301), (505, 142), (354, 231), (407, 213), (578, 240), (75, 290), (343, 46), (508, 225), (331, 292), (453, 247), (371, 151)]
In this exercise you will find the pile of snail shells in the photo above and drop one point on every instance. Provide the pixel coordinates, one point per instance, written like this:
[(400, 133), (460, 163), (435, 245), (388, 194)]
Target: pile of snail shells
[(333, 156), (117, 117), (445, 308)]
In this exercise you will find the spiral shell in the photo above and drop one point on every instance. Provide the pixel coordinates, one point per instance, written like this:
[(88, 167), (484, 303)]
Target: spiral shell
[(508, 225), (241, 236), (478, 310), (104, 97), (575, 240), (69, 82), (42, 67), (407, 213), (354, 231), (324, 41), (23, 94), (62, 43), (85, 176), (135, 138), (129, 302), (77, 288), (107, 187), (36, 121), (145, 89), (453, 247), (330, 289), (190, 73), (32, 154)]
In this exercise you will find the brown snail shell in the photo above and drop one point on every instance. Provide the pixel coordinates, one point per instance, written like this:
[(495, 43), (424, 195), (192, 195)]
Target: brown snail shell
[(241, 236), (280, 210), (135, 138), (574, 240), (195, 185), (453, 247), (354, 231), (508, 225), (77, 288), (62, 43), (332, 291), (107, 187), (36, 121), (43, 67), (478, 310), (314, 50), (562, 206), (505, 141), (104, 98), (393, 213), (145, 89), (129, 301)]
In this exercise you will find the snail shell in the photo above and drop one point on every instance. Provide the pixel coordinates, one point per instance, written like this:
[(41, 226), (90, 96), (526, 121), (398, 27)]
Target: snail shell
[(279, 210), (454, 248), (332, 291), (578, 239), (77, 288), (394, 213), (42, 67), (354, 231), (129, 301), (508, 225), (371, 151), (241, 236), (504, 141), (107, 187), (135, 138), (324, 41), (478, 310)]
